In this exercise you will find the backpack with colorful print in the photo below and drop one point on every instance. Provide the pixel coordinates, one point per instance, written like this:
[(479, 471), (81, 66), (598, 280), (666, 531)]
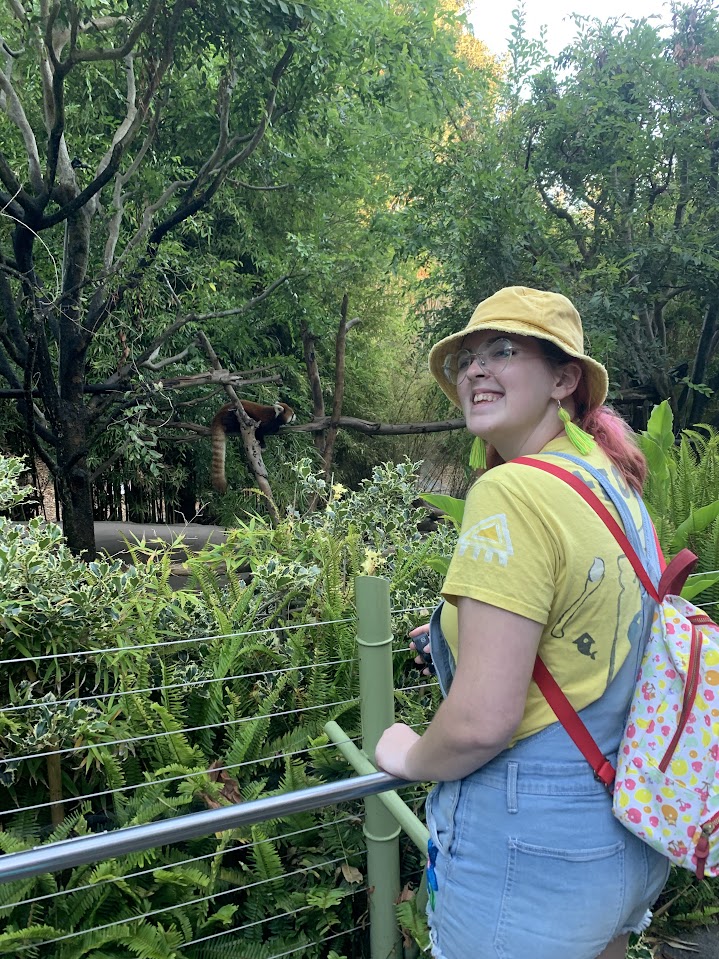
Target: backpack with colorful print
[(666, 784)]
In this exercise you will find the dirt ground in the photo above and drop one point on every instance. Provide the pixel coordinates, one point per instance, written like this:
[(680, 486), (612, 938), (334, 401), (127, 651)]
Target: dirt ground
[(700, 943)]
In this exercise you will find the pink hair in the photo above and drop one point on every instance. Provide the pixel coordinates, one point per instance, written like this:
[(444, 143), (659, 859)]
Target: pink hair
[(616, 439), (614, 436)]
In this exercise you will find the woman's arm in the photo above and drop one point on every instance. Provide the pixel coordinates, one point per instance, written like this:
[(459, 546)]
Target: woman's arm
[(485, 704)]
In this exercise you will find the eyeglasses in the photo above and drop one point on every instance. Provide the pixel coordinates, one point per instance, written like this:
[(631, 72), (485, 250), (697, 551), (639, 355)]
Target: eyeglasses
[(493, 361)]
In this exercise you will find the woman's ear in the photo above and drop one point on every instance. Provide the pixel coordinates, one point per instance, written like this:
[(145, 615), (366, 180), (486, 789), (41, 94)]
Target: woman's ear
[(567, 380)]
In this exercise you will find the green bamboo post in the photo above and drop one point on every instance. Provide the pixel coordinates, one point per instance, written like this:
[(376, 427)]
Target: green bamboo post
[(376, 680)]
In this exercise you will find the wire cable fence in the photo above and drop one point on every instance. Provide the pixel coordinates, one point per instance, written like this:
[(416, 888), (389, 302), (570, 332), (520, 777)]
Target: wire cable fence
[(160, 730)]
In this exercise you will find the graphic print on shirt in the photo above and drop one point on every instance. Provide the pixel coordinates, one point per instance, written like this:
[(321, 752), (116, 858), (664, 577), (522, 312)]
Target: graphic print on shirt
[(584, 644), (489, 538), (592, 583)]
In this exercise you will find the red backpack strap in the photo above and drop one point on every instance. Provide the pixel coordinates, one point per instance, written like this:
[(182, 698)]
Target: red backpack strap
[(602, 512), (569, 718), (674, 576)]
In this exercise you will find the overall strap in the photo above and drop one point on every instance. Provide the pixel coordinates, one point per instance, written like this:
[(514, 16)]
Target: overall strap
[(672, 580)]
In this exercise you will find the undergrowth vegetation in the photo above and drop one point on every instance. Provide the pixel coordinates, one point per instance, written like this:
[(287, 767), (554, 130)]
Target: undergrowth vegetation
[(126, 703)]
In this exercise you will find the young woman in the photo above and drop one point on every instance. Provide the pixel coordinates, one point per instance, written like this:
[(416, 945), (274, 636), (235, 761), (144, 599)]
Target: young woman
[(525, 855)]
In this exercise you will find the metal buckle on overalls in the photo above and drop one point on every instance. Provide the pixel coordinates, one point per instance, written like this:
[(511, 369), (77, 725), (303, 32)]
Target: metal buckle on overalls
[(605, 774)]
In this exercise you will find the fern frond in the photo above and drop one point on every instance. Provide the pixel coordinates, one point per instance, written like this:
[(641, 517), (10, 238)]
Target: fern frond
[(266, 859)]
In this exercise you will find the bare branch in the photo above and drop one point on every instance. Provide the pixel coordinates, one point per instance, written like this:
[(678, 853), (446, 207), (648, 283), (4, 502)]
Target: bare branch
[(264, 189), (125, 128), (98, 24), (150, 363), (708, 105), (118, 53), (339, 390), (142, 231), (14, 109), (19, 202), (237, 310), (125, 371), (197, 428), (219, 377), (345, 422), (79, 201), (224, 101), (193, 201), (18, 10), (378, 429), (309, 341), (121, 181)]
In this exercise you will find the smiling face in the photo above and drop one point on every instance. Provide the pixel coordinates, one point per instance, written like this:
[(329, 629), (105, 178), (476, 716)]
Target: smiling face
[(516, 409)]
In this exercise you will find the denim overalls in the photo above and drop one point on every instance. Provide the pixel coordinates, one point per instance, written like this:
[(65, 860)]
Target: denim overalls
[(526, 858)]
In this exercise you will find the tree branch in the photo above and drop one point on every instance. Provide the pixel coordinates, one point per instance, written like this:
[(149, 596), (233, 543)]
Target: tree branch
[(345, 422), (264, 189), (11, 328), (118, 53), (191, 203), (79, 201), (563, 214), (379, 429), (708, 105), (121, 181), (155, 367), (18, 10), (14, 109), (339, 390), (19, 202), (98, 24), (313, 373)]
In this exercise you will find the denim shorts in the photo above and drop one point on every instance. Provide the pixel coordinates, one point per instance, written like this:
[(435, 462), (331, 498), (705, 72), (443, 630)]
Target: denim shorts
[(531, 864)]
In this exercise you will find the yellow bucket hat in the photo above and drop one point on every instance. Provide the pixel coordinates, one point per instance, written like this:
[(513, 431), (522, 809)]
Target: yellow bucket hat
[(526, 312)]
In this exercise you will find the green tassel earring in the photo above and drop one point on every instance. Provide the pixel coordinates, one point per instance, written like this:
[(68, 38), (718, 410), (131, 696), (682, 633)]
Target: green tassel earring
[(478, 454), (581, 441)]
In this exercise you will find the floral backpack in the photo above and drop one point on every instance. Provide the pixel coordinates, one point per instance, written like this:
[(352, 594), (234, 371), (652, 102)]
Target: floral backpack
[(666, 784)]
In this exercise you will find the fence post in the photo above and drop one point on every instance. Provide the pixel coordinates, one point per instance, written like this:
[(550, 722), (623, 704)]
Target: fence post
[(376, 680)]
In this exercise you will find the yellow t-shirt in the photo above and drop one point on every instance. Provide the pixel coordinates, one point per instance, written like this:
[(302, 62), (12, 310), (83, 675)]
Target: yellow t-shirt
[(531, 545)]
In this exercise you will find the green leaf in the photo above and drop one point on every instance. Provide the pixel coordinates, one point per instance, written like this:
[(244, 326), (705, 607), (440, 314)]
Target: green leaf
[(657, 458), (697, 522), (453, 507), (661, 426), (440, 564), (698, 583)]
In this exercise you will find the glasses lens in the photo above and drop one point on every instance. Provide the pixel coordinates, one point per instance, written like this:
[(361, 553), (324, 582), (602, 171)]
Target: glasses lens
[(450, 368), (498, 356), (493, 360)]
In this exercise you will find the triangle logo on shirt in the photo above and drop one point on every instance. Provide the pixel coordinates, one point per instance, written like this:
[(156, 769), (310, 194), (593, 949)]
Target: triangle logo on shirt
[(488, 539)]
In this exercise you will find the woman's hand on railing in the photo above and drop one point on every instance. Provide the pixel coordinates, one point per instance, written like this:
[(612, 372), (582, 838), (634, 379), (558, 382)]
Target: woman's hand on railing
[(419, 643), (391, 752)]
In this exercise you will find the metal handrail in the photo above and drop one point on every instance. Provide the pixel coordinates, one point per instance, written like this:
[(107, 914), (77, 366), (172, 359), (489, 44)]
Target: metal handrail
[(109, 845)]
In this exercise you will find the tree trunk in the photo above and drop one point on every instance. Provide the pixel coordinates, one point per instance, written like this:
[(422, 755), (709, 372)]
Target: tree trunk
[(74, 484), (696, 401)]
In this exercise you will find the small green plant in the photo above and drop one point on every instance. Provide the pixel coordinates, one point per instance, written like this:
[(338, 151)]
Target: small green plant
[(682, 494)]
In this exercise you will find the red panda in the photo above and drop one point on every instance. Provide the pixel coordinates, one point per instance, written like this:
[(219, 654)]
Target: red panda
[(226, 423)]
